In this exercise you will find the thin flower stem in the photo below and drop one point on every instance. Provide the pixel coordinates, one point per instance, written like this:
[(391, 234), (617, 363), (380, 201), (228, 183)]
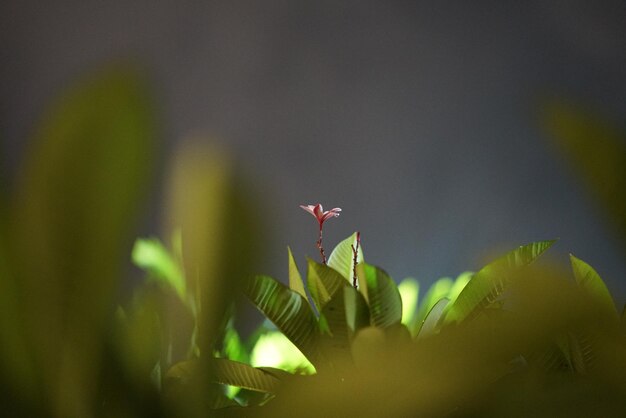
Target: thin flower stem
[(321, 247)]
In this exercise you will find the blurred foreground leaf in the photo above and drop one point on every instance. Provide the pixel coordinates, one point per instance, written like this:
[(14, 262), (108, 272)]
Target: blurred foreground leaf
[(71, 226), (597, 151)]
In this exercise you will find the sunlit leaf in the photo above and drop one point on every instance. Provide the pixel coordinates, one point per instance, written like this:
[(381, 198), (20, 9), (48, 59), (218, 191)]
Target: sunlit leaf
[(381, 294), (489, 283), (589, 280), (274, 350), (233, 348), (323, 282), (437, 291), (288, 310), (409, 291), (459, 284), (152, 256), (342, 257), (432, 319)]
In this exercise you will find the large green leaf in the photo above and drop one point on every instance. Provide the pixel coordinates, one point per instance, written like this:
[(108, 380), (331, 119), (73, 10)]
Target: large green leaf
[(589, 280), (323, 283), (342, 257), (489, 283), (288, 310), (295, 280), (381, 294), (357, 311)]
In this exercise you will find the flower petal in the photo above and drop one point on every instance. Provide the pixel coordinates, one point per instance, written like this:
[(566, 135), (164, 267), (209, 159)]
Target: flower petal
[(309, 208)]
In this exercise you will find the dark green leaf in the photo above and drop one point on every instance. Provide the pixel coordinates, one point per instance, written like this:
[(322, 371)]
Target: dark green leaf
[(288, 310), (381, 294), (233, 373)]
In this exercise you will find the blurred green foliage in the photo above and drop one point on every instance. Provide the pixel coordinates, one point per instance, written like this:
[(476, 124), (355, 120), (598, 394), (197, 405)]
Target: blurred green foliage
[(512, 339)]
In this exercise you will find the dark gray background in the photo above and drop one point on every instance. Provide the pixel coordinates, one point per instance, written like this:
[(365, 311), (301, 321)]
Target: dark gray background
[(419, 119)]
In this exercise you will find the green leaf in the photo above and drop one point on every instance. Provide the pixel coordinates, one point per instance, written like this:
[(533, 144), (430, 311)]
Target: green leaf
[(152, 256), (288, 310), (323, 282), (589, 280), (336, 334), (432, 321), (459, 284), (233, 348), (342, 257), (489, 283), (228, 372), (381, 294), (409, 291), (295, 280), (357, 311), (438, 290)]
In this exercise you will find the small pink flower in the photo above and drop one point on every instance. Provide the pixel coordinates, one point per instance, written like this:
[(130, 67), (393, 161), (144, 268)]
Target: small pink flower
[(320, 215)]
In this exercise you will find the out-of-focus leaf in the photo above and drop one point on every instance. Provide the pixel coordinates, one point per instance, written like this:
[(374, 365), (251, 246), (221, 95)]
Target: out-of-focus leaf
[(78, 195), (288, 310), (409, 291), (295, 280), (342, 257), (589, 280), (274, 350), (152, 256), (489, 283), (228, 372), (433, 317), (233, 348), (381, 294), (216, 216), (597, 151), (323, 282), (437, 291), (459, 284)]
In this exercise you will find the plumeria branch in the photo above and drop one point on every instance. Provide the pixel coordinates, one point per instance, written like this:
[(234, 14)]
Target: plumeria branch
[(318, 212), (355, 253)]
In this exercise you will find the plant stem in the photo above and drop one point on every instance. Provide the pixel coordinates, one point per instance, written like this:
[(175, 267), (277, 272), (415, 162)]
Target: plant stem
[(320, 247), (355, 253)]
